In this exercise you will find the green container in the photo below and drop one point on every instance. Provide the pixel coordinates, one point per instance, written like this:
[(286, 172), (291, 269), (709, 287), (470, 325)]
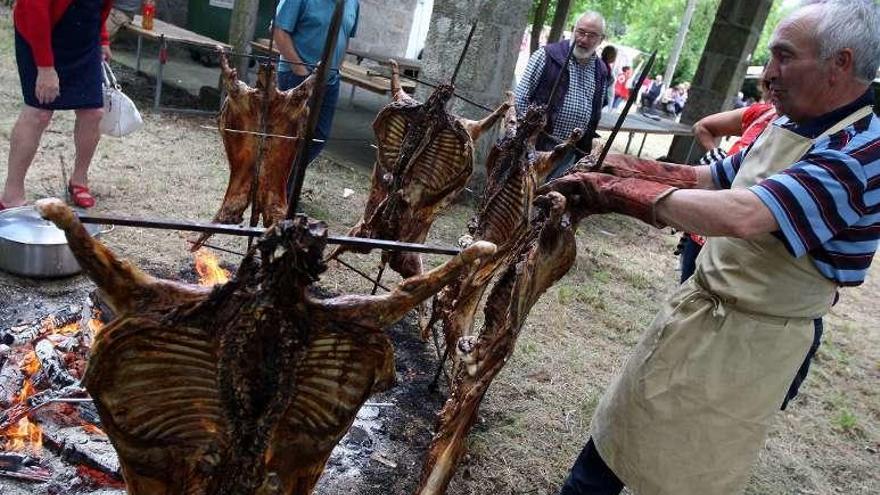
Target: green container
[(211, 18)]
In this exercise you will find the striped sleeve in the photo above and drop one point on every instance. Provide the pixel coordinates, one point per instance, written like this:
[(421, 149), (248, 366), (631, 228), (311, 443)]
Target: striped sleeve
[(528, 81), (818, 197), (724, 171)]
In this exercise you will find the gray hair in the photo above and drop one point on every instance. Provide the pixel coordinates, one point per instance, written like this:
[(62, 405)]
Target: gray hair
[(853, 24), (592, 14)]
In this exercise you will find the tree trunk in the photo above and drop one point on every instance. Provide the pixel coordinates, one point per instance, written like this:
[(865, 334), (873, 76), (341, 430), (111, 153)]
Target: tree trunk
[(679, 42), (559, 18), (538, 24), (242, 25), (734, 35)]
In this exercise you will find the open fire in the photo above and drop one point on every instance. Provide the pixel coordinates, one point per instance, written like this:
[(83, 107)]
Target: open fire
[(41, 364)]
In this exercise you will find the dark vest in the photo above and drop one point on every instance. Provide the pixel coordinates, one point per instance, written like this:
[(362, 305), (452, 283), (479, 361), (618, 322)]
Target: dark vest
[(553, 61)]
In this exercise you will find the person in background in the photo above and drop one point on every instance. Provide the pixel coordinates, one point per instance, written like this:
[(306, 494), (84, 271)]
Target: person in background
[(792, 218), (300, 32), (650, 95), (122, 13), (579, 99), (59, 47), (609, 56), (621, 86)]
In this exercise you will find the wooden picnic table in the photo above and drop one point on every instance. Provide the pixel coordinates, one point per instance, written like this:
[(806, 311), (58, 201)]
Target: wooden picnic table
[(164, 33), (637, 123), (409, 66)]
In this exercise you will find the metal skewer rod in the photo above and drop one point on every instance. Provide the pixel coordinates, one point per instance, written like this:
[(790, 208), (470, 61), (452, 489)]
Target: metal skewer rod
[(464, 51), (562, 72), (362, 274), (298, 171), (219, 228), (623, 113)]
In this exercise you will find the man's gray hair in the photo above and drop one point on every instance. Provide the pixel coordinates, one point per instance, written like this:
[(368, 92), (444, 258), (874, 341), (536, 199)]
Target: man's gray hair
[(853, 24), (592, 14)]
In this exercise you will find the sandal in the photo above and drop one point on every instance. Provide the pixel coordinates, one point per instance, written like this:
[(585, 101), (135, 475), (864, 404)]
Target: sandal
[(80, 195)]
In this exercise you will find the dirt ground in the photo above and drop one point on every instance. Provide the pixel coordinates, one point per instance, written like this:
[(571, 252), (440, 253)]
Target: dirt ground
[(536, 416)]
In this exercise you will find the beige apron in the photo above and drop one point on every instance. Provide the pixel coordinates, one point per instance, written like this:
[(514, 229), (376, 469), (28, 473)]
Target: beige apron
[(693, 404)]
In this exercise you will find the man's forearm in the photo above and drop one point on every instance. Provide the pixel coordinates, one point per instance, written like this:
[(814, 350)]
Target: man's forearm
[(284, 44), (733, 213)]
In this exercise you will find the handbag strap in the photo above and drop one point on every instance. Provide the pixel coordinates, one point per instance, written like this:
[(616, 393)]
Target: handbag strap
[(109, 77)]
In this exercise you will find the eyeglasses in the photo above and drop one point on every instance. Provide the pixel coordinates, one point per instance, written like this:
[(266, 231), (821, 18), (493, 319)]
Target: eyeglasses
[(580, 33)]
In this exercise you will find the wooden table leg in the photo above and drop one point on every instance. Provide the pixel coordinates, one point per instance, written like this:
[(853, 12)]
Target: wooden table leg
[(137, 64), (163, 58)]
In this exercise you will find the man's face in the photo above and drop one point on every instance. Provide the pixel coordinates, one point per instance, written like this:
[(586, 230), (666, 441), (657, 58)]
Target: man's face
[(797, 80), (588, 33)]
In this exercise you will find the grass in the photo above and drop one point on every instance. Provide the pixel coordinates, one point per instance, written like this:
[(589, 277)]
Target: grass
[(536, 415)]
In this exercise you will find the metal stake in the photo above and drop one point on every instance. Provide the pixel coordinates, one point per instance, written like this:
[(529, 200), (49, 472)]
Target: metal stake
[(298, 172), (625, 111)]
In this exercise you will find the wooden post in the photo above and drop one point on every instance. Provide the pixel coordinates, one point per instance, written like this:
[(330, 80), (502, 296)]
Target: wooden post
[(242, 26), (679, 42), (559, 20)]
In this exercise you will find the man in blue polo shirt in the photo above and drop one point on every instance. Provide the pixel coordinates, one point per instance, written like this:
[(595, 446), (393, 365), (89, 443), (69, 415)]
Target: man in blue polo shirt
[(300, 31), (789, 220)]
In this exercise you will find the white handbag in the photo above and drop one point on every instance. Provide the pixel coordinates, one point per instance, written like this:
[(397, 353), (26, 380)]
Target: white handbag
[(121, 117)]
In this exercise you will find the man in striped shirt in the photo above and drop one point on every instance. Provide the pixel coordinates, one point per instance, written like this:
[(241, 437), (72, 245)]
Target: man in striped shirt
[(790, 219), (578, 101)]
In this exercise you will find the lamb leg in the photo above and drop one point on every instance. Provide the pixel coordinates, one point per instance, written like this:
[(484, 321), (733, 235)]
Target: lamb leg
[(386, 309), (476, 128), (547, 160), (124, 286)]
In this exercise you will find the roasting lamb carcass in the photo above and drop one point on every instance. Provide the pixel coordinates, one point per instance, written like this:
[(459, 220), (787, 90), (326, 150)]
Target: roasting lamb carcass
[(241, 124), (514, 169), (540, 257), (424, 159), (244, 389)]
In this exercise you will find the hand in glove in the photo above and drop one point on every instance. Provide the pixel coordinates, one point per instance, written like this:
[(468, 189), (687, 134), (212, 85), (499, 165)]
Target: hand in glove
[(712, 156), (680, 176), (590, 193)]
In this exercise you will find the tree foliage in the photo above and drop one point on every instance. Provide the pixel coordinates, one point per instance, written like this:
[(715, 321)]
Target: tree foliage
[(652, 25)]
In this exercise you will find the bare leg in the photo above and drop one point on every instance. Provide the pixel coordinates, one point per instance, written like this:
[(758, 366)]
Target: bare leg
[(23, 145), (86, 134)]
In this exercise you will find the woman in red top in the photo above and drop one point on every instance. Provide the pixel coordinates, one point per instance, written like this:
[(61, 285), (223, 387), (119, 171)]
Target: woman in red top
[(59, 46), (621, 86)]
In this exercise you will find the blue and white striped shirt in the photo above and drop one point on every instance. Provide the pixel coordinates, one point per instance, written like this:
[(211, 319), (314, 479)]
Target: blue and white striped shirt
[(828, 203)]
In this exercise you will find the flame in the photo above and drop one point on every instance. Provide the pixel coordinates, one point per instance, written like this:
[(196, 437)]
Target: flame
[(30, 365), (24, 435), (208, 268), (90, 428), (50, 324), (95, 324)]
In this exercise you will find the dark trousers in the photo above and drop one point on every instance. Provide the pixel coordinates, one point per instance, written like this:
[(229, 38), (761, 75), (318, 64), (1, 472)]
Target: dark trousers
[(288, 80), (590, 475)]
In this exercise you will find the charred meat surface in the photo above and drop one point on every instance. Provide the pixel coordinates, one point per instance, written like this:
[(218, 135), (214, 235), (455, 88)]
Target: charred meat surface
[(246, 388), (241, 123), (513, 170), (424, 159), (540, 257)]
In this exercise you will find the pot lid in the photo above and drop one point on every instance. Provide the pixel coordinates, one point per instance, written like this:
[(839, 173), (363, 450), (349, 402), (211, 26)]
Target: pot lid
[(24, 225)]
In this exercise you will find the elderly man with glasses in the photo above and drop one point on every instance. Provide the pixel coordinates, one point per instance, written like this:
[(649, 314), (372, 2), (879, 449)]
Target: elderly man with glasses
[(579, 98)]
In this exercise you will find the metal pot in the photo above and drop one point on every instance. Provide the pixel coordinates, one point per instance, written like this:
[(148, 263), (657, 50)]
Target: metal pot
[(33, 247)]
